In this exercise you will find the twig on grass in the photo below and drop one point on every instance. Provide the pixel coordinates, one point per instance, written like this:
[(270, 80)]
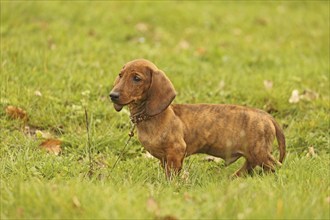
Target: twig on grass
[(88, 144), (131, 134)]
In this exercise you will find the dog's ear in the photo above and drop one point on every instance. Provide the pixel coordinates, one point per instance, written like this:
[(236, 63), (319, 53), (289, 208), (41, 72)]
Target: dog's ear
[(160, 94)]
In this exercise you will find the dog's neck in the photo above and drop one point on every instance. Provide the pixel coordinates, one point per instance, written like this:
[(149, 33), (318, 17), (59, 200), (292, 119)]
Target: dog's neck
[(138, 112)]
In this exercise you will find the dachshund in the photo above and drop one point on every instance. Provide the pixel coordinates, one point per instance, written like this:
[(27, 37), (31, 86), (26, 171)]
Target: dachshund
[(171, 132)]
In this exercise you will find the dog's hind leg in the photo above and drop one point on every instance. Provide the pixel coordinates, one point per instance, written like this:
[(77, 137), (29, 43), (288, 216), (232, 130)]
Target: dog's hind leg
[(270, 164), (245, 169)]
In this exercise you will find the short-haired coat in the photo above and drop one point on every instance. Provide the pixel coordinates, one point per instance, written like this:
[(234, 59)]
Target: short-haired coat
[(171, 132)]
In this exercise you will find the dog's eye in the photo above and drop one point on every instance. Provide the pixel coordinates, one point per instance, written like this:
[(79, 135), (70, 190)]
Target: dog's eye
[(120, 75), (136, 78)]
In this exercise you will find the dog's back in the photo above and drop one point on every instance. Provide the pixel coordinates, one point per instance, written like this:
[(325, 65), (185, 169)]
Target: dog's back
[(226, 131)]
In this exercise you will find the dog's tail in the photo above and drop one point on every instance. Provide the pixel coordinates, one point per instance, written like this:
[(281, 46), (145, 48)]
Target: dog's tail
[(280, 140)]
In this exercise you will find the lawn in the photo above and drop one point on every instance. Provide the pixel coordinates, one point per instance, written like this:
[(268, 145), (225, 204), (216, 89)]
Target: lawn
[(59, 59)]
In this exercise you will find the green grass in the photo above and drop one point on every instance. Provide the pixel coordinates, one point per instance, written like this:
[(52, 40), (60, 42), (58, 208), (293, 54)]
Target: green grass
[(71, 53)]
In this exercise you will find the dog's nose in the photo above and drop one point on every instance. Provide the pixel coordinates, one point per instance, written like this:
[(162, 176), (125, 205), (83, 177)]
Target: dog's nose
[(114, 95)]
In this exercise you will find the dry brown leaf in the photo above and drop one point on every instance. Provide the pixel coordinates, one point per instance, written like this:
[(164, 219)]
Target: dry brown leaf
[(261, 21), (142, 27), (237, 31), (311, 152), (185, 175), (270, 107), (141, 40), (91, 33), (20, 212), (76, 202), (279, 207), (51, 43), (221, 85), (37, 93), (187, 196), (52, 146), (295, 98), (200, 51), (309, 95), (16, 113), (152, 205), (29, 130), (43, 134), (167, 217), (184, 45), (327, 199), (148, 155), (268, 84), (211, 158)]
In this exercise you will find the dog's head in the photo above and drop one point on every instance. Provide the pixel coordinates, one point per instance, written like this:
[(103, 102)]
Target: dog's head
[(140, 81)]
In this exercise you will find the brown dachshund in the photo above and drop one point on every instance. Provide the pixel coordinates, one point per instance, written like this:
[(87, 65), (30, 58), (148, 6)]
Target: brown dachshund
[(171, 132)]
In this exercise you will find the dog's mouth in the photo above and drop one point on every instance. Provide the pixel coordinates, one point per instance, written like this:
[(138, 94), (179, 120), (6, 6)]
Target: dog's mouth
[(118, 106)]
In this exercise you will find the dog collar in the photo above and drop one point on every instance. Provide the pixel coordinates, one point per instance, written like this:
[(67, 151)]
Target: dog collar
[(139, 118)]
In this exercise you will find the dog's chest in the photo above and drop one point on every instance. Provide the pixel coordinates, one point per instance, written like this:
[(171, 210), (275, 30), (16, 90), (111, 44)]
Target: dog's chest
[(151, 141)]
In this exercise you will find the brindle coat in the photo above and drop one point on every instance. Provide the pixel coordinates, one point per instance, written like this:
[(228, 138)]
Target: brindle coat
[(171, 132)]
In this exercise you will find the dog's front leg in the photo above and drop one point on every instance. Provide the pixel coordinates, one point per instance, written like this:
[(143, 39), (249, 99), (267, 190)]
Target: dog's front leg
[(173, 164)]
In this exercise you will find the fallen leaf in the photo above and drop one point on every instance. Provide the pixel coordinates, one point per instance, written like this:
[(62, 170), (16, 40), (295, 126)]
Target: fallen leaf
[(281, 9), (309, 95), (85, 93), (51, 44), (152, 205), (91, 33), (268, 84), (141, 40), (200, 51), (211, 158), (29, 130), (240, 215), (16, 113), (187, 196), (261, 21), (237, 31), (327, 199), (54, 187), (43, 134), (184, 45), (4, 63), (248, 38), (311, 152), (37, 93), (279, 207), (142, 27), (244, 214), (76, 202), (270, 107), (167, 217), (148, 155), (101, 162), (221, 85), (185, 175), (4, 100), (52, 146), (294, 96), (224, 44), (20, 212)]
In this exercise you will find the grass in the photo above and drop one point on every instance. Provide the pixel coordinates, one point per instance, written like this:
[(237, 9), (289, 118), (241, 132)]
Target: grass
[(214, 52)]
